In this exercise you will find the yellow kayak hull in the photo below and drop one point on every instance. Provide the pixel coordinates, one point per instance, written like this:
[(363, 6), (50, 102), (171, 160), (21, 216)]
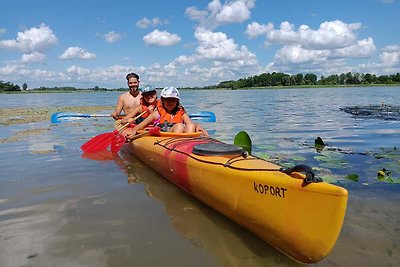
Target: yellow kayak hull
[(303, 220)]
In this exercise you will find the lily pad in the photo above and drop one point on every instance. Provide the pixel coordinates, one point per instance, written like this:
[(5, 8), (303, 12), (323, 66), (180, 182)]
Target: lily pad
[(265, 156), (393, 153), (266, 147), (331, 160), (353, 177), (329, 179), (299, 158)]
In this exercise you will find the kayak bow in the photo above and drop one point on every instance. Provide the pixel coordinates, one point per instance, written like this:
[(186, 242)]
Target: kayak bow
[(295, 212)]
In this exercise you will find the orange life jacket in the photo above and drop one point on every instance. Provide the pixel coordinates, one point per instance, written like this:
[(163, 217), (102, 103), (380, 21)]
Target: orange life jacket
[(145, 107), (170, 118)]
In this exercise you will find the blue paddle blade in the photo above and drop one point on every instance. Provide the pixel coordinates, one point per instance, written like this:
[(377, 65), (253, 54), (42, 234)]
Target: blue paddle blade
[(64, 116), (204, 116)]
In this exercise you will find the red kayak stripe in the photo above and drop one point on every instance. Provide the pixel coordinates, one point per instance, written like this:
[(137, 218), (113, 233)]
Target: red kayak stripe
[(180, 175)]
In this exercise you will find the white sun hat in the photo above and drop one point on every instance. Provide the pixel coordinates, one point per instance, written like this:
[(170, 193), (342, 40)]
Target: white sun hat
[(170, 92)]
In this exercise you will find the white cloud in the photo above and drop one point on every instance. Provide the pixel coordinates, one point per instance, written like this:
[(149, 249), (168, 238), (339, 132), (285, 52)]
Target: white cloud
[(34, 57), (214, 7), (195, 14), (235, 11), (295, 54), (324, 50), (183, 60), (2, 31), (20, 72), (255, 29), (9, 70), (78, 71), (389, 62), (161, 38), (362, 48), (112, 37), (154, 22), (391, 48), (216, 58), (77, 53), (390, 56), (330, 35), (33, 40), (143, 23), (217, 46)]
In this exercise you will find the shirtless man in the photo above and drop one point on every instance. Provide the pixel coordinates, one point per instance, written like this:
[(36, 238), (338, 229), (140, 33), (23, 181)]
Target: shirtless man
[(128, 101)]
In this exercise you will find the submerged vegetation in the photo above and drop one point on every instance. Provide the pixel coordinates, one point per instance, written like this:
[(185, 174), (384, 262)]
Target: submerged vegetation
[(384, 164), (384, 112)]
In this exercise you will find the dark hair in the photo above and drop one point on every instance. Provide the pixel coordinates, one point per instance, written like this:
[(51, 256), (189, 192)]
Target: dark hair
[(132, 75), (176, 109)]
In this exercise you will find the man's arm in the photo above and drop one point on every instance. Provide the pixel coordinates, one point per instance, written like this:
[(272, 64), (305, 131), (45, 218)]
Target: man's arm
[(118, 108), (129, 117)]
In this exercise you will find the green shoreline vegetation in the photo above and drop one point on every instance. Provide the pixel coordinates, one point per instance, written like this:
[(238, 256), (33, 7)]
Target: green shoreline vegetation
[(275, 80)]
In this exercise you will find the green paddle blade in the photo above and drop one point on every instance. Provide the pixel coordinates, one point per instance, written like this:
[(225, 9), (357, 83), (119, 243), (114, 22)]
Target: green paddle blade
[(319, 144), (243, 140)]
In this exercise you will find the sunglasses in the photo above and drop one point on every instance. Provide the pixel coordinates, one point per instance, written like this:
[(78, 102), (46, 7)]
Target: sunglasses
[(150, 94)]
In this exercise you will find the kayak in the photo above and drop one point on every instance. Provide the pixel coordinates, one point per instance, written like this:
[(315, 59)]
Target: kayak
[(289, 208)]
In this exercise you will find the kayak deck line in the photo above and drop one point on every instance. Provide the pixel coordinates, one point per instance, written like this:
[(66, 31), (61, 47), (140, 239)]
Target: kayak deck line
[(228, 163), (297, 215), (242, 156)]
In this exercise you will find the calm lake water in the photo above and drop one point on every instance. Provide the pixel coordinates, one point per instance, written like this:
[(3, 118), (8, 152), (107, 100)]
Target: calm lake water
[(58, 208)]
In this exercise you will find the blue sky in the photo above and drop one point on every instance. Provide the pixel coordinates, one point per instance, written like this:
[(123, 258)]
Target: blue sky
[(193, 43)]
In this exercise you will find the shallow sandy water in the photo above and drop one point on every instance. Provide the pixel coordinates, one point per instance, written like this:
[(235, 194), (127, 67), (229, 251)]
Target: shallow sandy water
[(58, 208)]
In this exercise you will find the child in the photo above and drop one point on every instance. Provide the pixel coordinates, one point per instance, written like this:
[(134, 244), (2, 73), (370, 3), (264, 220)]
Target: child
[(169, 115), (148, 103)]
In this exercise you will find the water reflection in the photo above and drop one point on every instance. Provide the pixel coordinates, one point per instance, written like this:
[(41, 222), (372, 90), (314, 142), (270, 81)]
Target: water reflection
[(233, 245)]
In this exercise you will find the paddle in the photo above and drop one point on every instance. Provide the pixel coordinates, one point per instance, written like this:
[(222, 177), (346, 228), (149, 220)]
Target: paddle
[(204, 116), (118, 143), (59, 117), (66, 116), (102, 141), (243, 140)]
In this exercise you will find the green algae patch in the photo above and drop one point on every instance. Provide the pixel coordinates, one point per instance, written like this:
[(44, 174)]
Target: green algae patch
[(18, 136)]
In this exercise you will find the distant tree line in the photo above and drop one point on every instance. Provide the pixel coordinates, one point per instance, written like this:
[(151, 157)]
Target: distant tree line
[(69, 88), (8, 87), (262, 80), (283, 79)]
